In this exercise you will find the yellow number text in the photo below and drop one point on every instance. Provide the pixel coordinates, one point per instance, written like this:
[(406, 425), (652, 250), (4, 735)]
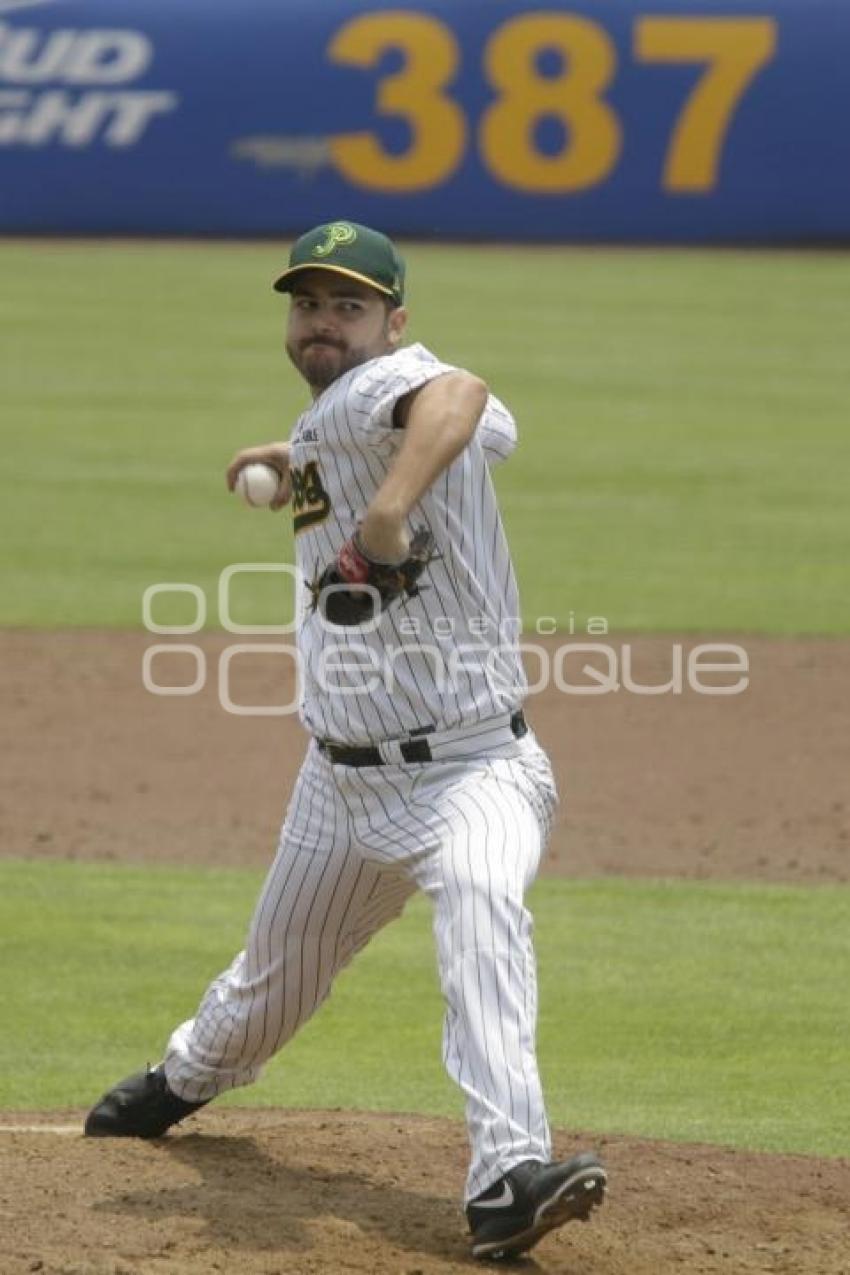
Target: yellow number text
[(416, 93), (735, 49), (594, 136)]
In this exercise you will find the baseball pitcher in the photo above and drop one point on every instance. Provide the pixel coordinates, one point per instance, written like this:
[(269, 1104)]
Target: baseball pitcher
[(421, 771)]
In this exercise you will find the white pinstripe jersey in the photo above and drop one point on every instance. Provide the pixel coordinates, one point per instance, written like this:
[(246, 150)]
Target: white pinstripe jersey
[(440, 660)]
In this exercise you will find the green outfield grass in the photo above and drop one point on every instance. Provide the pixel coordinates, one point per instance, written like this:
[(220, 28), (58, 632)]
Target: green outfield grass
[(688, 1011), (684, 418)]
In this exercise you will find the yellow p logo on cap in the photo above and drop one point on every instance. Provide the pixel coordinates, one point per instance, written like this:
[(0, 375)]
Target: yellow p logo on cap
[(338, 233)]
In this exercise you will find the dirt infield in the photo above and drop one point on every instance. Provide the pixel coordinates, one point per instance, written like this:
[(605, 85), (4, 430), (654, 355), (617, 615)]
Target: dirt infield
[(298, 1193), (746, 787), (752, 786)]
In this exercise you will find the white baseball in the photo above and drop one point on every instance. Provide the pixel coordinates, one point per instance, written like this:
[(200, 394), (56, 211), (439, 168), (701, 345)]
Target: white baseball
[(257, 484)]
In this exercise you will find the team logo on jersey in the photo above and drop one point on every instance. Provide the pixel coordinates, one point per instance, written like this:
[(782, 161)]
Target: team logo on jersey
[(310, 502), (338, 233)]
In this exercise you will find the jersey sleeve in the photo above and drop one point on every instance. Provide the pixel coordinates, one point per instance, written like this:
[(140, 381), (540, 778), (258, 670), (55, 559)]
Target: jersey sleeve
[(383, 382), (497, 432)]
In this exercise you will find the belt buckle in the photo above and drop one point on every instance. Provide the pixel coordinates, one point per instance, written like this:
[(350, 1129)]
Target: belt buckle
[(397, 752), (416, 750), (390, 752)]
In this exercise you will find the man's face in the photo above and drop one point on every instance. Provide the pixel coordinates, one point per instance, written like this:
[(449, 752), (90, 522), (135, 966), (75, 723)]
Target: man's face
[(335, 324)]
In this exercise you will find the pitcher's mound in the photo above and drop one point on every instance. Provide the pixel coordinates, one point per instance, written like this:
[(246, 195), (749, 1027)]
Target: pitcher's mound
[(249, 1192)]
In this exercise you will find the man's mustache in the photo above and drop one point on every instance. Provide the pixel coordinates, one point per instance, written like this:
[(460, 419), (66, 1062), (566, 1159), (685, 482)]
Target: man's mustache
[(318, 340)]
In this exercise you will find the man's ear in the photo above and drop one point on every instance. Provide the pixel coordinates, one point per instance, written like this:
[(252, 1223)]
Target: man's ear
[(396, 323)]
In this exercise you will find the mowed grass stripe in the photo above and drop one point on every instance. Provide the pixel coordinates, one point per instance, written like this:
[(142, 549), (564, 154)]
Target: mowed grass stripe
[(682, 1010), (683, 421)]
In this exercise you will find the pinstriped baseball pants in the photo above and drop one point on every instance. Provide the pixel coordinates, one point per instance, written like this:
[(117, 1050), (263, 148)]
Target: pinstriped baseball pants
[(355, 844)]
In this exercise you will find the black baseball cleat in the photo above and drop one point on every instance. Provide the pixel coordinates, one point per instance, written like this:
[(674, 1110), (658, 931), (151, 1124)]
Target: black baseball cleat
[(142, 1106), (532, 1199)]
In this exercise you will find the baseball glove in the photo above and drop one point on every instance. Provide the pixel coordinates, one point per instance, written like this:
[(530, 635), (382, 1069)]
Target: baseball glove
[(353, 567)]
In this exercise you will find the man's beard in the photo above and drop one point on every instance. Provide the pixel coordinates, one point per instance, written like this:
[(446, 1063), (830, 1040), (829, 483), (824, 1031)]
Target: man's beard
[(323, 362)]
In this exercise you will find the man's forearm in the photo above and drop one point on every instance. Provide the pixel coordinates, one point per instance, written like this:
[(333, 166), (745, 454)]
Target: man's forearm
[(441, 421)]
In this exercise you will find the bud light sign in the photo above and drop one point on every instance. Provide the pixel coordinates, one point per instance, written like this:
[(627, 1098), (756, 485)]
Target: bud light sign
[(713, 121)]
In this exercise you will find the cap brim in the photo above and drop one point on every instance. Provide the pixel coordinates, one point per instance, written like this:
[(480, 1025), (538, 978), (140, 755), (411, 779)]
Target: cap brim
[(283, 282)]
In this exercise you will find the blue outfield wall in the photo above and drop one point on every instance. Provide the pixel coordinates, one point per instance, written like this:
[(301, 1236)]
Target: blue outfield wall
[(599, 119)]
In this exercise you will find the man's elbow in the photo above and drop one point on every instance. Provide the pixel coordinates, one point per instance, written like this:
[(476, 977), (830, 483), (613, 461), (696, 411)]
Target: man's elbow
[(476, 392), (457, 400), (471, 394)]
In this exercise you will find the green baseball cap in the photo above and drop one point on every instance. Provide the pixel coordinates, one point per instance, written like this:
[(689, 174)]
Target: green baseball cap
[(349, 249)]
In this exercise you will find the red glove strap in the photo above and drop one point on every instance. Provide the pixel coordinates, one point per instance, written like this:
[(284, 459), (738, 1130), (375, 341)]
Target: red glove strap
[(352, 566)]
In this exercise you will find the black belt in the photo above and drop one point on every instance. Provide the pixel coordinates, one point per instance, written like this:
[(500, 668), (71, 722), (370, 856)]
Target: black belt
[(411, 749)]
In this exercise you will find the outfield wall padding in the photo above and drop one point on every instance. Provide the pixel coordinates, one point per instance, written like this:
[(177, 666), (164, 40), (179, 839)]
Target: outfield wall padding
[(483, 119)]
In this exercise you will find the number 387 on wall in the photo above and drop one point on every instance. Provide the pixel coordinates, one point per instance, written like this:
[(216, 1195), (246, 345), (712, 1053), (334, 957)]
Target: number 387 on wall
[(731, 50)]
